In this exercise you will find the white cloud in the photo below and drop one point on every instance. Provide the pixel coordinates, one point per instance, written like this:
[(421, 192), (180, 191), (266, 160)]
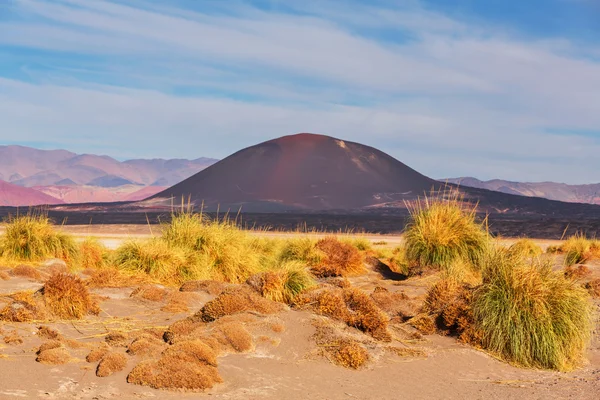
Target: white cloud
[(451, 91)]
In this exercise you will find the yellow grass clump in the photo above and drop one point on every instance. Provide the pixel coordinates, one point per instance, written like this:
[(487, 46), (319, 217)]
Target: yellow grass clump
[(284, 283), (340, 259), (442, 229), (530, 315), (593, 287), (67, 297), (93, 254), (579, 250), (526, 247), (32, 237)]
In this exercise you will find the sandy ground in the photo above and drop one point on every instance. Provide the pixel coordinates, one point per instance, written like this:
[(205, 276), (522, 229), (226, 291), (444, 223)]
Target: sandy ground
[(287, 365)]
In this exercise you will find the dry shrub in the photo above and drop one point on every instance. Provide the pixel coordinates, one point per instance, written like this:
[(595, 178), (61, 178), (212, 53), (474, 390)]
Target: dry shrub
[(341, 259), (424, 323), (396, 304), (450, 303), (576, 272), (208, 286), (55, 356), (192, 351), (352, 306), (182, 328), (33, 238), (67, 297), (4, 276), (350, 354), (149, 292), (579, 250), (284, 283), (337, 282), (112, 278), (593, 287), (236, 300), (98, 353), (442, 229), (92, 254), (25, 307), (26, 271), (48, 333), (117, 339), (178, 302), (111, 363), (531, 315), (49, 345), (301, 249), (146, 345), (13, 338), (526, 248), (235, 336), (278, 327)]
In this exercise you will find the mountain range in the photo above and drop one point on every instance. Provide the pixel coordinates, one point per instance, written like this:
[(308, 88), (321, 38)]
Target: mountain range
[(589, 193), (79, 178)]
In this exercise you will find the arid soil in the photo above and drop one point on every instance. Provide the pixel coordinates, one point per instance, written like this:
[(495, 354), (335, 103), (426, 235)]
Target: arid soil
[(286, 360)]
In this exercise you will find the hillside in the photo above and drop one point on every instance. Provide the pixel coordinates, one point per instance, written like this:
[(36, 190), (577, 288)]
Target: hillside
[(14, 195)]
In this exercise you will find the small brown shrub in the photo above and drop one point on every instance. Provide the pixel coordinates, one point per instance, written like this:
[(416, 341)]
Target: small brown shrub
[(350, 354), (112, 278), (278, 328), (48, 333), (4, 276), (49, 345), (337, 282), (236, 300), (150, 293), (55, 356), (424, 323), (577, 272), (98, 353), (178, 302), (25, 307), (341, 259), (171, 373), (111, 363), (26, 271), (208, 286), (146, 345), (593, 287), (67, 297), (181, 328), (13, 338), (117, 339), (192, 351), (234, 335)]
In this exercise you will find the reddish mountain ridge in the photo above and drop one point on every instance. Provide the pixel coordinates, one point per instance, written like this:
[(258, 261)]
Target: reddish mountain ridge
[(303, 171), (14, 195)]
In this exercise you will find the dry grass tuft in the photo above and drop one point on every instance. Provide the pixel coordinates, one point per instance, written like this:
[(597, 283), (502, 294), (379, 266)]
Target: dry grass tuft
[(26, 271), (576, 272), (49, 345), (579, 250), (13, 338), (192, 351), (92, 254), (33, 238), (111, 363), (4, 276), (443, 229), (67, 297), (278, 327), (424, 323), (178, 302), (284, 283), (146, 345), (350, 354), (25, 307), (340, 259), (234, 335), (55, 356), (208, 286), (526, 248), (112, 278), (236, 300), (593, 287), (149, 292), (98, 353), (48, 333), (117, 339), (530, 315)]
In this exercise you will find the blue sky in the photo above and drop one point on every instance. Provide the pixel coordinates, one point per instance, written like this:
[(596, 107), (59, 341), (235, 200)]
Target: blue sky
[(492, 89)]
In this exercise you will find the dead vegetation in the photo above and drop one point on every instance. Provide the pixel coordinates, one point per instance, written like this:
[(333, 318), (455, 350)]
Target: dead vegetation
[(54, 356), (146, 345), (67, 297), (13, 338), (340, 259), (26, 271), (576, 272), (236, 300), (109, 364), (284, 283), (117, 339), (150, 293), (23, 307), (593, 287), (339, 348), (98, 353)]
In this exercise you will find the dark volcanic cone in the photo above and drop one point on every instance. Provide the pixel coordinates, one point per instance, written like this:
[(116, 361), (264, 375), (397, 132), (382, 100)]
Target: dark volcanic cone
[(303, 171)]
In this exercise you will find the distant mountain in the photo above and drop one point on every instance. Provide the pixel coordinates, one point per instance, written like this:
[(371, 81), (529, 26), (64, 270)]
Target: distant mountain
[(78, 178), (14, 195), (550, 190)]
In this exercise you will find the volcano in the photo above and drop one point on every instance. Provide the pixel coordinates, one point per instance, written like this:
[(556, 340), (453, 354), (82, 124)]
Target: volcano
[(303, 171)]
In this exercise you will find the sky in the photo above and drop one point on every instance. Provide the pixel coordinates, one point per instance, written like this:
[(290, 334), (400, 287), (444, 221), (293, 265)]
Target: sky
[(504, 89)]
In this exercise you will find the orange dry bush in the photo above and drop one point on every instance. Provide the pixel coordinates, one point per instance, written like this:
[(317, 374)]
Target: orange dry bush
[(350, 354), (235, 336), (449, 302), (92, 254), (26, 271), (55, 356), (98, 353), (13, 338), (23, 308), (208, 286), (146, 345), (149, 292), (67, 297), (577, 271), (112, 278), (593, 287), (111, 363), (178, 302), (182, 328), (117, 339), (278, 328), (341, 259), (48, 333), (49, 345), (236, 300), (192, 351), (424, 323), (4, 276)]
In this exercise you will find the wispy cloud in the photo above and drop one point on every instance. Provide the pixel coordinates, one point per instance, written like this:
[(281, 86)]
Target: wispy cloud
[(137, 79)]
